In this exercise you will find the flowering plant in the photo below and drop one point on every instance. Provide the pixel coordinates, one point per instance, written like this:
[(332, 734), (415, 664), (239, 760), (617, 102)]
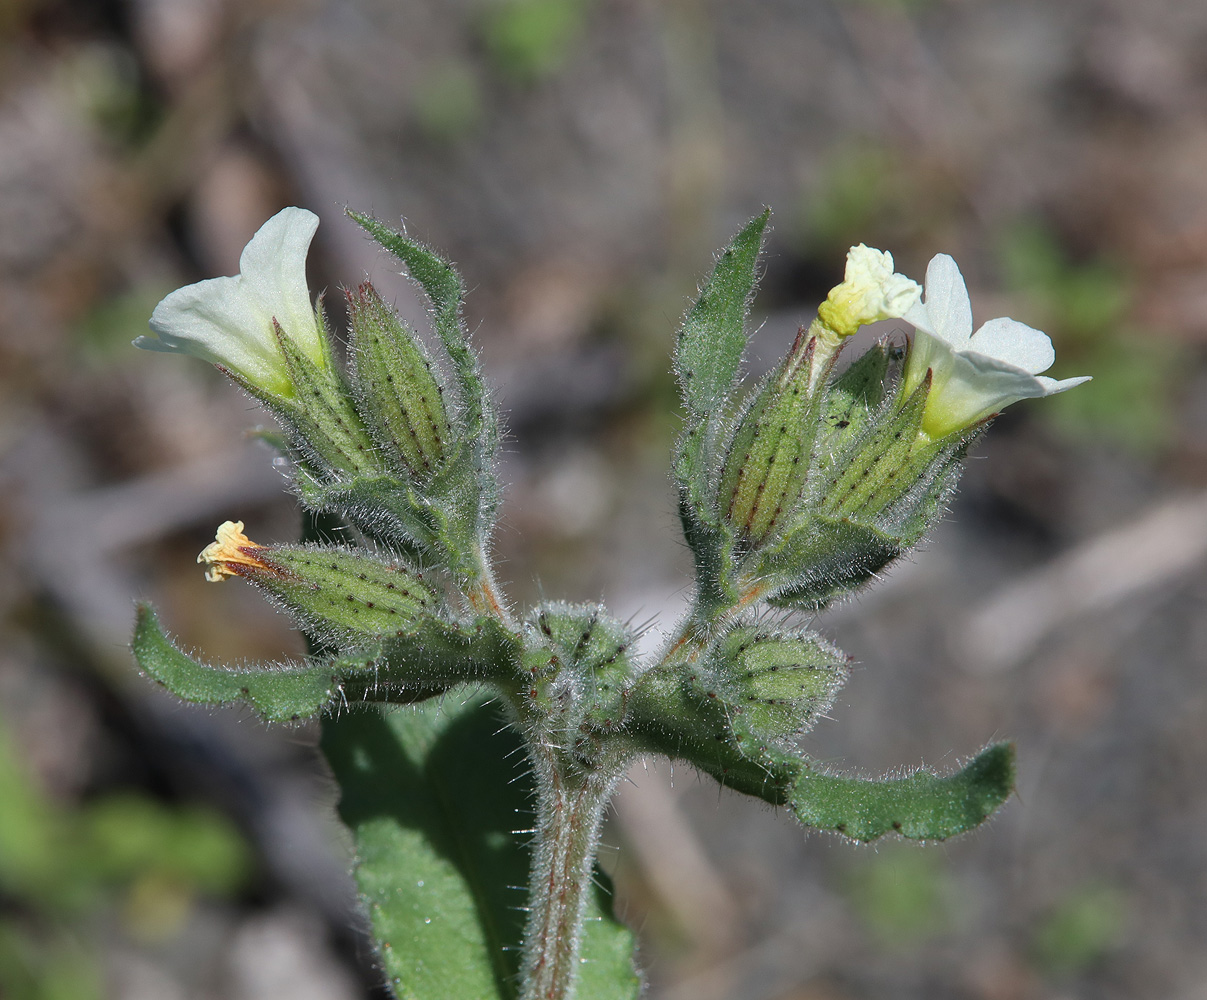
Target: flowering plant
[(791, 496)]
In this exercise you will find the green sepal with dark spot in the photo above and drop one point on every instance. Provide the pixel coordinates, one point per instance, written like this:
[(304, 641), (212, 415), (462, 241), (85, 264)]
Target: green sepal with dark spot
[(320, 426), (852, 400), (820, 559), (578, 669), (476, 423), (339, 594), (428, 526), (776, 682), (397, 392), (876, 468), (769, 456)]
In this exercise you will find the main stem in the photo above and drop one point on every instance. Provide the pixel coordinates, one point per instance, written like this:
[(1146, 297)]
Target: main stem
[(570, 804)]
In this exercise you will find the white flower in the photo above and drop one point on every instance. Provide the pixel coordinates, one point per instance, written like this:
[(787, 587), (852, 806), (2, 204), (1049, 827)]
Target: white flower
[(229, 321), (870, 291), (973, 375)]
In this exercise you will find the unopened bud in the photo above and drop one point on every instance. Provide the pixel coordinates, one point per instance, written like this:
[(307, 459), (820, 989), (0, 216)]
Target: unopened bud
[(397, 392), (781, 680), (328, 590), (768, 457), (870, 291)]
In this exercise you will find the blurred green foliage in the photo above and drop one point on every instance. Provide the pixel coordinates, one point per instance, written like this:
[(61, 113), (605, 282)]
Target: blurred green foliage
[(1081, 929), (858, 187), (875, 193), (107, 86), (448, 101), (103, 334), (1084, 307), (901, 894), (531, 39), (61, 865)]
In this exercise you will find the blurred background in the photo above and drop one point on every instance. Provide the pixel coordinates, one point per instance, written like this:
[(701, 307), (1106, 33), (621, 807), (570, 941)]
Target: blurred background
[(581, 160)]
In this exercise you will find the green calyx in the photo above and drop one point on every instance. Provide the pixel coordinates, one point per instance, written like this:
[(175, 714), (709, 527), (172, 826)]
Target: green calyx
[(769, 454), (398, 394)]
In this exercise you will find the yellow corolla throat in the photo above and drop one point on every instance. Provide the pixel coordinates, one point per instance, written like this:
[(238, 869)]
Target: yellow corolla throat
[(229, 550)]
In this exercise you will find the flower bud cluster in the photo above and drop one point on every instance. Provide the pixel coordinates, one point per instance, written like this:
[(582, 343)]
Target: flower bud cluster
[(821, 480)]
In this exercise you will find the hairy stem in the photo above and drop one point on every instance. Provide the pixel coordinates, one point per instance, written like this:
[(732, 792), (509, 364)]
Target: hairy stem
[(570, 804)]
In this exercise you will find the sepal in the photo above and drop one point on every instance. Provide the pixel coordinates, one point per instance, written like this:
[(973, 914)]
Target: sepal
[(319, 419), (397, 391), (770, 452), (438, 525), (776, 683), (475, 421)]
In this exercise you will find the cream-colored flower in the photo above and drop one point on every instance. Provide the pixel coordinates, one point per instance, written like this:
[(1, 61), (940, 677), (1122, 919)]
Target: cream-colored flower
[(870, 291), (973, 375), (230, 321), (229, 550)]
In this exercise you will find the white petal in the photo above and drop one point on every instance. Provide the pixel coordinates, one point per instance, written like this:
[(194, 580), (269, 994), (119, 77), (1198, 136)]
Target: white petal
[(1021, 345), (1052, 386), (217, 320), (948, 312), (273, 271)]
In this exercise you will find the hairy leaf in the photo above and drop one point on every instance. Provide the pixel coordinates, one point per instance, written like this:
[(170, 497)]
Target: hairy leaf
[(434, 656), (923, 806), (713, 337), (435, 795)]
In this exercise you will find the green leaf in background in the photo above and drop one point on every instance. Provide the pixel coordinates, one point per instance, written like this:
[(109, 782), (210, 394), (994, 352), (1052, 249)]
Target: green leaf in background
[(435, 796), (532, 39)]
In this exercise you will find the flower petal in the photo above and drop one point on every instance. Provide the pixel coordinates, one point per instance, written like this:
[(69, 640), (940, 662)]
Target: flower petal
[(1053, 386), (229, 321), (945, 311), (970, 387), (273, 272), (1014, 342), (218, 321)]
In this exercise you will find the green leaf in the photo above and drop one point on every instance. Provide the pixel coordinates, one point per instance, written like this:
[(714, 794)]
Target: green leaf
[(687, 712), (713, 337), (287, 693), (923, 806), (435, 796), (707, 355)]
